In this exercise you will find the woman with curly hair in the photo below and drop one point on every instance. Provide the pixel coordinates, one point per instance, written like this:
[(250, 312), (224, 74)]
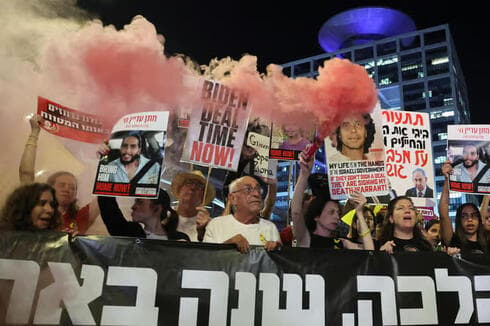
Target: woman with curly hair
[(31, 207)]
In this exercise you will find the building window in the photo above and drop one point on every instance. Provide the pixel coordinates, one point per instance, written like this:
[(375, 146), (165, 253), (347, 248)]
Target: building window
[(441, 93), (413, 97), (435, 37), (387, 70), (369, 66), (411, 42), (411, 65), (389, 97), (441, 114), (437, 61), (363, 54), (345, 55), (302, 69), (386, 48), (440, 159)]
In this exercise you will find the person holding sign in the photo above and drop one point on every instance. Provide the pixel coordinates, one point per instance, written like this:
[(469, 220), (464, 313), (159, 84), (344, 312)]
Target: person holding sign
[(131, 161), (244, 227), (420, 189), (353, 138), (316, 227), (152, 218), (189, 188), (74, 219), (469, 234)]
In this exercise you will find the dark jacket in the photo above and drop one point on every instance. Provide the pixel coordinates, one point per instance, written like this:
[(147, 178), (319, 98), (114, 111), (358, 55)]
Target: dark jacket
[(412, 192), (117, 225)]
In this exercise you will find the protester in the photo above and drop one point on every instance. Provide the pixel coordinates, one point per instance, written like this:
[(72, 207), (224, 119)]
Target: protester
[(74, 219), (355, 235), (31, 207), (244, 227), (188, 188), (469, 234), (400, 230), (485, 213), (158, 218), (316, 227), (269, 201)]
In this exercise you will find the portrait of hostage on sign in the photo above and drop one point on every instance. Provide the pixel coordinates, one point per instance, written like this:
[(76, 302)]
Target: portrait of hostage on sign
[(135, 157), (353, 140), (290, 139), (467, 159)]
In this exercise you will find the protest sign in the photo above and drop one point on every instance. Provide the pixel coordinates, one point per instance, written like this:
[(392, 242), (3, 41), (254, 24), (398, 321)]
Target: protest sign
[(133, 165), (408, 156), (263, 165), (217, 129), (469, 153), (355, 157), (69, 123), (289, 140)]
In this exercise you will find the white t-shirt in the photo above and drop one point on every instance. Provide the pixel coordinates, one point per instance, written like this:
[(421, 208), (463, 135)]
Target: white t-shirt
[(222, 228), (188, 225)]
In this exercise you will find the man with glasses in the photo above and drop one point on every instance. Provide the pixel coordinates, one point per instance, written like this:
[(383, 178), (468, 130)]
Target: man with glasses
[(244, 227), (188, 188)]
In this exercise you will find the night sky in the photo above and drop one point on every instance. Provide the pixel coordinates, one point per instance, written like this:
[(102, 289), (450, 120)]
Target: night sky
[(278, 34)]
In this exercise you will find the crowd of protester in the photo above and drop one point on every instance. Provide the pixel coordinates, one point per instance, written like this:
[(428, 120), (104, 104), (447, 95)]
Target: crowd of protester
[(245, 221)]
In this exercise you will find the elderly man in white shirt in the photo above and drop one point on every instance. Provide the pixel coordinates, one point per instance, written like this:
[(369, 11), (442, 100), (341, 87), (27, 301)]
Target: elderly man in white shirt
[(244, 227)]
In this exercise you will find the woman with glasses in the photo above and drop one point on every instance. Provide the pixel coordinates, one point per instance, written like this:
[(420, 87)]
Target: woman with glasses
[(469, 234)]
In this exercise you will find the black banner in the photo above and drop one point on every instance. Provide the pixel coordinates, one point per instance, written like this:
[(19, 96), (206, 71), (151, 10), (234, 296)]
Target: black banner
[(48, 279)]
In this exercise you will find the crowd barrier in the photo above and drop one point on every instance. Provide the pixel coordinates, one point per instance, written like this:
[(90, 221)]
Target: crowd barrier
[(48, 278)]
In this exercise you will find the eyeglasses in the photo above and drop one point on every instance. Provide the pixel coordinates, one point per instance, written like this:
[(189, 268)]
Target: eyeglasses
[(249, 189), (467, 216)]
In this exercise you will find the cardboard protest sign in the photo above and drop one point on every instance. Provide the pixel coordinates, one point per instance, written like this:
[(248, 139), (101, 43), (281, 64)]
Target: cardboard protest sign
[(217, 129), (355, 157), (133, 166), (69, 123), (408, 157), (263, 165), (469, 153), (289, 140)]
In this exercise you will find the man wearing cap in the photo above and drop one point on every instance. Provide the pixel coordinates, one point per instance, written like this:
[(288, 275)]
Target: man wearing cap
[(243, 227), (188, 188)]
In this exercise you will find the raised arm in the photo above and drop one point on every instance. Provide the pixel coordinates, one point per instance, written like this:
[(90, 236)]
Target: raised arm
[(300, 231), (28, 160), (359, 200), (484, 207), (270, 198), (446, 226)]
